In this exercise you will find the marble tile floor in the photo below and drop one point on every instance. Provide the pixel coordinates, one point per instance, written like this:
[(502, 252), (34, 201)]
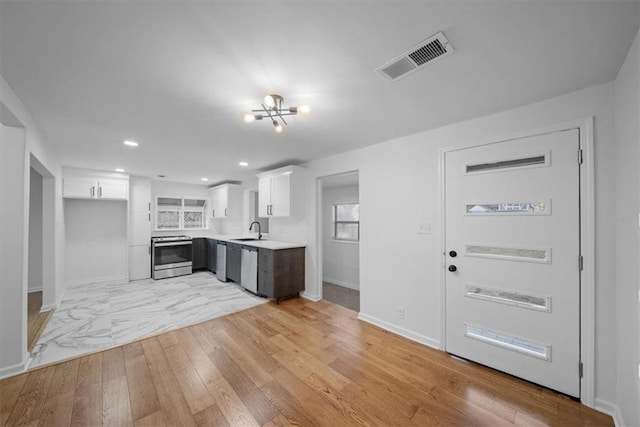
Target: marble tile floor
[(98, 316)]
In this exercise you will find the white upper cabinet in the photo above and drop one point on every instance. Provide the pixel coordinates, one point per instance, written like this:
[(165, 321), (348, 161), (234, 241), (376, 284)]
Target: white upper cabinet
[(226, 201), (281, 192), (79, 184)]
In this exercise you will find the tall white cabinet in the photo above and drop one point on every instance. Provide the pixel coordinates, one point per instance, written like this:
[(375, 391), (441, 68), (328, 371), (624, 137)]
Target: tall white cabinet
[(139, 228)]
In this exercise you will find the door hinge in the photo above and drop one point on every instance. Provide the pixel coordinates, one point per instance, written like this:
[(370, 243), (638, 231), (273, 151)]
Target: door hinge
[(581, 369), (580, 263), (580, 156)]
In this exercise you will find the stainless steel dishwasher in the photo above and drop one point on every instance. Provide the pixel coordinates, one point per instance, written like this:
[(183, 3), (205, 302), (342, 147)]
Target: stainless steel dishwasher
[(249, 269), (221, 261)]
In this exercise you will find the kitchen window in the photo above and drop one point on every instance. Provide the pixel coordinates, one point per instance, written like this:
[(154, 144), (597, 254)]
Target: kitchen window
[(346, 222), (180, 213)]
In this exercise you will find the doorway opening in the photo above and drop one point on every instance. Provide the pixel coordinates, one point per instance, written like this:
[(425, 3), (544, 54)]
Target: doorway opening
[(41, 257), (340, 240)]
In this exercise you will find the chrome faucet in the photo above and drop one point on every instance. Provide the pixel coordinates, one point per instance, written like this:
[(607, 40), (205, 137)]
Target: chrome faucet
[(259, 233)]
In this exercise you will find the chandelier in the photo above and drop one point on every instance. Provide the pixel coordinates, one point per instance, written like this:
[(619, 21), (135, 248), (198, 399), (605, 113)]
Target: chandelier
[(273, 110)]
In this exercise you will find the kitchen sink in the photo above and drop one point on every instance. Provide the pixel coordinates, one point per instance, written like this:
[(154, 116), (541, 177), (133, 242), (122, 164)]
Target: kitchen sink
[(248, 239)]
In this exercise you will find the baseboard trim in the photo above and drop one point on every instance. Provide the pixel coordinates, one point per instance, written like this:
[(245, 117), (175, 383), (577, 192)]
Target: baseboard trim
[(610, 409), (429, 342), (341, 283), (310, 297), (14, 370), (115, 280), (48, 307)]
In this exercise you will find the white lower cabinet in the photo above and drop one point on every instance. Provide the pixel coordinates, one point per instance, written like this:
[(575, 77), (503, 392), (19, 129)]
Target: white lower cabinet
[(139, 262)]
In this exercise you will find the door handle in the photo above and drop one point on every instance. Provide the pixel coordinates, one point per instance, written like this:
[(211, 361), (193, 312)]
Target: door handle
[(453, 254), (453, 268)]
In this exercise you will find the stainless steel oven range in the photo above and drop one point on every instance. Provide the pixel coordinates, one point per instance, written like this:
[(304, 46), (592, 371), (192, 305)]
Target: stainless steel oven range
[(171, 256)]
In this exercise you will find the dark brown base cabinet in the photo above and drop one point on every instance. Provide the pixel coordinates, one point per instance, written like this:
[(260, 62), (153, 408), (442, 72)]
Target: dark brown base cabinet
[(280, 272), (212, 250), (234, 259), (199, 253)]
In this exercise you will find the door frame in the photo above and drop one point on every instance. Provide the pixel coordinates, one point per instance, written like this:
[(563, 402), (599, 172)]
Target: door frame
[(587, 240)]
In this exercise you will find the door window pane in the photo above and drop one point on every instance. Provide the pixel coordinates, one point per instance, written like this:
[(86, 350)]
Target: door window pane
[(513, 254), (509, 342), (507, 208), (509, 297), (506, 164)]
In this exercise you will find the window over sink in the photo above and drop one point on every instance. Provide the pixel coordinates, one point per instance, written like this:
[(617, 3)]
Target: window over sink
[(181, 213)]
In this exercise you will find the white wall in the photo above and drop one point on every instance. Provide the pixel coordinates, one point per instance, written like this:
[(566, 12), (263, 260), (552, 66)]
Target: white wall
[(96, 241), (13, 342), (35, 232), (12, 249), (627, 122), (340, 260), (404, 172)]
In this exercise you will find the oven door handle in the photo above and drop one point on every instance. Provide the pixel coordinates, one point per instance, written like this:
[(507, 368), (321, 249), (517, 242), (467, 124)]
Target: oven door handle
[(159, 245)]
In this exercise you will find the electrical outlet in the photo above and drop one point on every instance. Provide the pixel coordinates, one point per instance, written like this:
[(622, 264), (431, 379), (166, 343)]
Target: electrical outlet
[(424, 228), (400, 313)]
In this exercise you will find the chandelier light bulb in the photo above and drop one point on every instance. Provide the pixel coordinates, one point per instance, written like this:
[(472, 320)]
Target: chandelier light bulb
[(304, 109), (270, 101), (277, 126), (248, 118)]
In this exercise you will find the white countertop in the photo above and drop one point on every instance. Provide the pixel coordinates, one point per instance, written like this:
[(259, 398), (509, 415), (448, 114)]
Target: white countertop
[(264, 243)]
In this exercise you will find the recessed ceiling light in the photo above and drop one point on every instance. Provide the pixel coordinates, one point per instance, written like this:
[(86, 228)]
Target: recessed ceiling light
[(162, 176), (204, 179), (243, 164), (119, 170), (130, 143)]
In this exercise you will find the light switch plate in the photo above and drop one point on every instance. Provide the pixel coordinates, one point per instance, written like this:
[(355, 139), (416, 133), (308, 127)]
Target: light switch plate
[(424, 228)]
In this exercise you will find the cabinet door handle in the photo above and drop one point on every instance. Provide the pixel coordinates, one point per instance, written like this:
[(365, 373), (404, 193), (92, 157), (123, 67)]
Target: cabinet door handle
[(99, 191), (149, 249), (91, 191), (149, 206), (149, 216), (213, 213), (225, 211)]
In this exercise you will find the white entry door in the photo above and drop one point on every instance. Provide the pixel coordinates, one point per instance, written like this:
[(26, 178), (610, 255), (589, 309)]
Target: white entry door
[(512, 257)]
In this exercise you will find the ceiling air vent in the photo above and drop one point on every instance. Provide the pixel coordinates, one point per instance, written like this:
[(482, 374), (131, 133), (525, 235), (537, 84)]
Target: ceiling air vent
[(435, 47)]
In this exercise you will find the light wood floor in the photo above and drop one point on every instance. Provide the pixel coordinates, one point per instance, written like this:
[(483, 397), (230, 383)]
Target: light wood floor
[(298, 363), (36, 321)]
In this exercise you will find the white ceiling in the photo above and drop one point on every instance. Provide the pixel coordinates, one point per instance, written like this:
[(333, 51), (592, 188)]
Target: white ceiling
[(178, 76)]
